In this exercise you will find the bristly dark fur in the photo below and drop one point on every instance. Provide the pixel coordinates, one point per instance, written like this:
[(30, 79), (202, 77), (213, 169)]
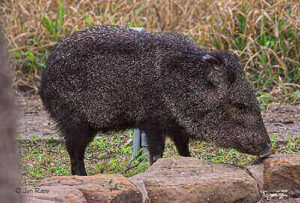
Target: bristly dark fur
[(113, 78)]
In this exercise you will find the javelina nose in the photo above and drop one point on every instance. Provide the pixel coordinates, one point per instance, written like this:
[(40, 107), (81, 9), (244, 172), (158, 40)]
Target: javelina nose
[(267, 151)]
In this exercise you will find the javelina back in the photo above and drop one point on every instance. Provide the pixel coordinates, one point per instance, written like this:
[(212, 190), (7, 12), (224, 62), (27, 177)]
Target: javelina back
[(9, 177), (113, 78)]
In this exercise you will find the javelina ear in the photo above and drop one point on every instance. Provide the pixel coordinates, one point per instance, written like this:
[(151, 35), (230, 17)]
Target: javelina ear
[(214, 62), (214, 76)]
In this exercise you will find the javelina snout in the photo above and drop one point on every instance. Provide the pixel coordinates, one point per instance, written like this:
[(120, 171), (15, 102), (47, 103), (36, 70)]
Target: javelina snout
[(111, 78), (267, 151), (240, 131)]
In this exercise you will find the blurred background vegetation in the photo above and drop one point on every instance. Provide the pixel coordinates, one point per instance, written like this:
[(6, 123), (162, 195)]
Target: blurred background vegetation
[(264, 33)]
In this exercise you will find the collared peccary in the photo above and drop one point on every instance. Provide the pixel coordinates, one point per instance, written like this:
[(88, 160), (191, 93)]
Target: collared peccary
[(9, 176), (112, 78)]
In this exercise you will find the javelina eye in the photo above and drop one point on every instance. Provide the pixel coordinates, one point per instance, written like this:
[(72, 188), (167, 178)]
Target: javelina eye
[(237, 108), (241, 107)]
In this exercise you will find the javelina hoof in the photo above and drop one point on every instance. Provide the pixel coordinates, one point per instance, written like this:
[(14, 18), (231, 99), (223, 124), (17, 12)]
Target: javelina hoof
[(154, 158), (77, 168)]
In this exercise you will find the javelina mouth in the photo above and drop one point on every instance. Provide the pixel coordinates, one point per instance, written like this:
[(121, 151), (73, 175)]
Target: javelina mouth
[(268, 151)]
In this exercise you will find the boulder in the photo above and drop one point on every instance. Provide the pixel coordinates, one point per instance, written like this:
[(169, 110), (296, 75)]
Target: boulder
[(282, 173), (187, 179), (97, 188)]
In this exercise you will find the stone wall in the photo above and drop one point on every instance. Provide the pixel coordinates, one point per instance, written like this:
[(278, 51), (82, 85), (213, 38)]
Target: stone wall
[(181, 179)]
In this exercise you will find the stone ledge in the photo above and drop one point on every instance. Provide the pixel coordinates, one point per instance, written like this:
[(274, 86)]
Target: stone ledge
[(97, 188), (182, 179), (187, 179)]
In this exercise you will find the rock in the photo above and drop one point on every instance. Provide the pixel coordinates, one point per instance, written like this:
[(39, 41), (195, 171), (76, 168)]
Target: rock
[(187, 179), (257, 172), (97, 188), (282, 172)]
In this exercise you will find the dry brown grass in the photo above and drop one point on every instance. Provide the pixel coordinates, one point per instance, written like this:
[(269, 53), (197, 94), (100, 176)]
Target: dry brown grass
[(264, 33)]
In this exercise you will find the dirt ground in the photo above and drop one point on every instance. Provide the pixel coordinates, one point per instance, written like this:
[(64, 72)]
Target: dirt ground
[(282, 120), (35, 121)]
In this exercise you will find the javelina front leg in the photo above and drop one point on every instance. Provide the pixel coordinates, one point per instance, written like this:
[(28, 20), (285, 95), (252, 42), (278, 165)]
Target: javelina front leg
[(182, 145), (76, 142), (156, 145)]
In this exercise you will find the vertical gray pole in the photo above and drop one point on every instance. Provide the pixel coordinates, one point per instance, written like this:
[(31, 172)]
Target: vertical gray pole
[(136, 142), (144, 142)]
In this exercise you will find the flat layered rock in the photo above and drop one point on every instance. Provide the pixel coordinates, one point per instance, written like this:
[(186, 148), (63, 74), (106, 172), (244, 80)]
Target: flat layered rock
[(187, 179), (282, 173), (97, 188)]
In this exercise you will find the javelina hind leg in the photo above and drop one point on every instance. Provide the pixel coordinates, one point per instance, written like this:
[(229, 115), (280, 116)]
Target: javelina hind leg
[(76, 142), (182, 145), (156, 145)]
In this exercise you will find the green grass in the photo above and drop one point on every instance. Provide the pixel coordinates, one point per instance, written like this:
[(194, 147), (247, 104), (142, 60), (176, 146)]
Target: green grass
[(56, 26), (112, 153)]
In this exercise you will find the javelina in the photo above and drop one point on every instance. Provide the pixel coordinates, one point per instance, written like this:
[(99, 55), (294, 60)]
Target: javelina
[(9, 177), (113, 78)]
